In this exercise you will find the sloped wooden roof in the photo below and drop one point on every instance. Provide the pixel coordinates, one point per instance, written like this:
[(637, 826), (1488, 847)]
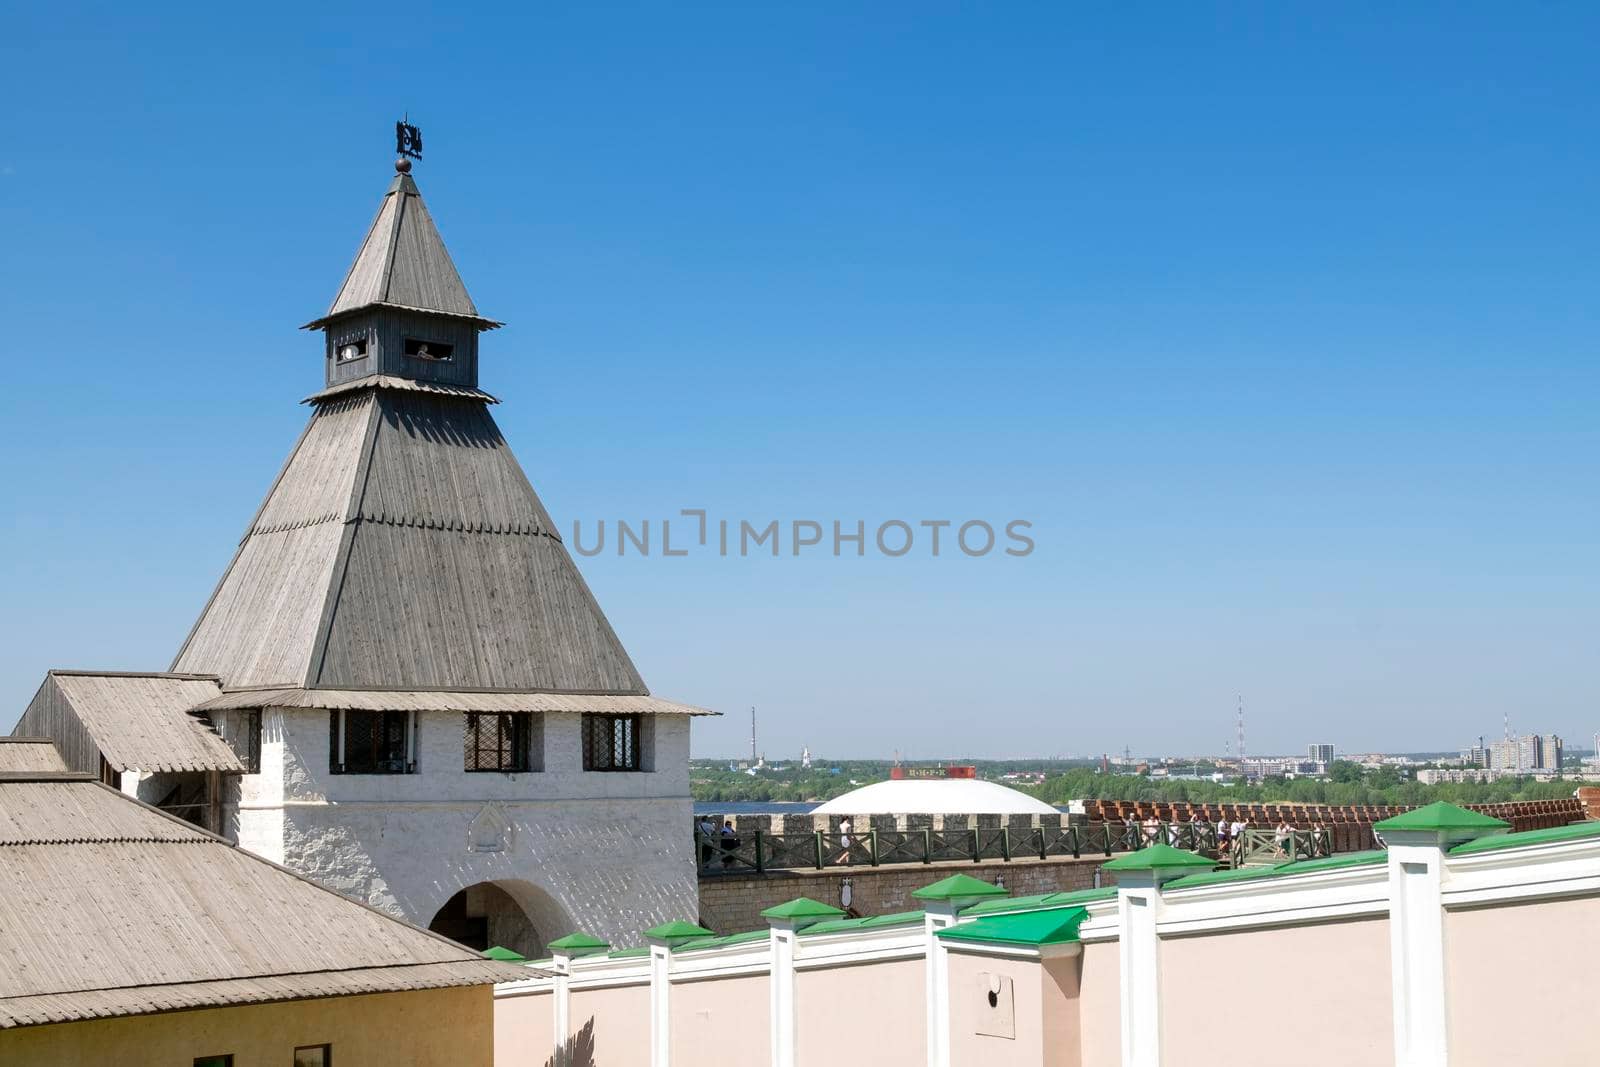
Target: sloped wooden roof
[(403, 263), (29, 754), (135, 721), (414, 700), (109, 907), (390, 381), (402, 547)]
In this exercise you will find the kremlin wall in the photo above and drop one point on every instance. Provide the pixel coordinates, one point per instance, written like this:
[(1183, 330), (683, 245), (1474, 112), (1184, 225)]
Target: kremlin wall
[(1031, 853)]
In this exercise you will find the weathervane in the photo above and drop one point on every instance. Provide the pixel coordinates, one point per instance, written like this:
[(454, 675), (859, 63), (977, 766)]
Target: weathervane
[(407, 142)]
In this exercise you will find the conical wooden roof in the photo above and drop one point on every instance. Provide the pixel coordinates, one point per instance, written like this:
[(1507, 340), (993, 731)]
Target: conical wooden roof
[(403, 263), (402, 547)]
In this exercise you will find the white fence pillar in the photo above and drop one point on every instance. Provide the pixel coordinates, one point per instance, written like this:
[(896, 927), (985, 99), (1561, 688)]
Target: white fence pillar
[(942, 903), (1417, 842), (662, 940), (1139, 877), (562, 952), (786, 921), (782, 998), (660, 1005)]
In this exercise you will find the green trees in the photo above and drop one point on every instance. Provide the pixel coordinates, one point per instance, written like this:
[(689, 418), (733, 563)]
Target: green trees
[(1349, 783)]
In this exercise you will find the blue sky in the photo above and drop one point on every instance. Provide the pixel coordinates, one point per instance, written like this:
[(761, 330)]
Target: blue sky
[(1278, 324)]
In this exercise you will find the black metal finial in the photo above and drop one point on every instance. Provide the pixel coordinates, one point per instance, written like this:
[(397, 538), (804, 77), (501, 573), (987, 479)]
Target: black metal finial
[(407, 142)]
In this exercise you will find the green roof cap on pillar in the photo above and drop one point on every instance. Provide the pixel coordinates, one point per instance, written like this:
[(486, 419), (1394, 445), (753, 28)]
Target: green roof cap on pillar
[(958, 886), (504, 955), (803, 908), (578, 941), (1052, 926), (1440, 816), (676, 929), (1160, 857)]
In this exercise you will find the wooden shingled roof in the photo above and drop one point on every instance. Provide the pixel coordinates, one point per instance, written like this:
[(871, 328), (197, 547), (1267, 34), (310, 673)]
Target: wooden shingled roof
[(402, 547), (403, 263), (29, 754), (109, 907), (135, 721), (445, 700)]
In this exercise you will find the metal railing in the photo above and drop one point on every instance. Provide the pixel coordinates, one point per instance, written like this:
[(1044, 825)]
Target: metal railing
[(762, 850), (1255, 848)]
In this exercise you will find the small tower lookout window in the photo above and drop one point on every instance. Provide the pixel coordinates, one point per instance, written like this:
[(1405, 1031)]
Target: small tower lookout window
[(434, 350), (372, 742), (349, 351), (611, 742)]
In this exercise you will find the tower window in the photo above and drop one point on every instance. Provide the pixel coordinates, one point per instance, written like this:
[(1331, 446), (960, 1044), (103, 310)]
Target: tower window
[(372, 742), (611, 742), (435, 350), (501, 741), (352, 350), (243, 734)]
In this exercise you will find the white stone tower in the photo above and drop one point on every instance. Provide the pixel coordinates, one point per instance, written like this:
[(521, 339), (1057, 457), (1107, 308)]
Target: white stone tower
[(438, 718)]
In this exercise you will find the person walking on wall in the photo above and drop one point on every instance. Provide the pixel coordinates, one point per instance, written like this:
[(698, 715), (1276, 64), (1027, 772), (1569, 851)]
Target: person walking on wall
[(844, 842)]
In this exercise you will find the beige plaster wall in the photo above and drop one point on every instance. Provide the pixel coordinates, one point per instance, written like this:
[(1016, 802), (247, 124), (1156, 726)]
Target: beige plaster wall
[(870, 1013), (621, 1017), (1100, 1004), (1325, 987), (1058, 1000), (428, 1028), (1044, 1012), (725, 1020), (1522, 985), (524, 1029)]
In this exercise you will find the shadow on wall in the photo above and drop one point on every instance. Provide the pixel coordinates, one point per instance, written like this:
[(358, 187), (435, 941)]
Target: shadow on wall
[(578, 1051)]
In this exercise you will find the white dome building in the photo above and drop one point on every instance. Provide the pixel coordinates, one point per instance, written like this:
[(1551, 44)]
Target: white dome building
[(935, 796)]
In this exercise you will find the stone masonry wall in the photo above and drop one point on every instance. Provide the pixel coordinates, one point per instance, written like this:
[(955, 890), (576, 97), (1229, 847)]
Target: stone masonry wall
[(607, 853), (731, 903)]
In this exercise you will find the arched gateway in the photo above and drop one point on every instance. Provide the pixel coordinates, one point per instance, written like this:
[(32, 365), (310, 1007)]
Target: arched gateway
[(513, 914)]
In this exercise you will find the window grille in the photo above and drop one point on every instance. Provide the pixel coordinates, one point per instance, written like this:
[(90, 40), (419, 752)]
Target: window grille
[(498, 741), (375, 742), (246, 740), (611, 742)]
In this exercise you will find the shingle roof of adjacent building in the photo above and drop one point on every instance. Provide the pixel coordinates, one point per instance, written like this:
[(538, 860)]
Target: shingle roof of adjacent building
[(403, 263), (29, 754), (136, 721), (109, 907)]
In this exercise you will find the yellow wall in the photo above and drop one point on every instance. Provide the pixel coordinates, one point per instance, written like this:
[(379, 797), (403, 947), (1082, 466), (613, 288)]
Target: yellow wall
[(427, 1028)]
